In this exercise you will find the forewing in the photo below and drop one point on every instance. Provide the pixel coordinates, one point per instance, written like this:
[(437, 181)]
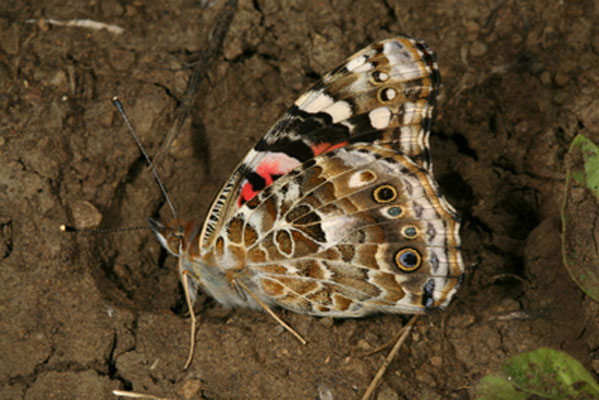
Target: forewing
[(383, 94)]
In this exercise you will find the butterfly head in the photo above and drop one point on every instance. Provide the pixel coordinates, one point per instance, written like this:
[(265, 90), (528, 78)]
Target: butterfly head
[(177, 236)]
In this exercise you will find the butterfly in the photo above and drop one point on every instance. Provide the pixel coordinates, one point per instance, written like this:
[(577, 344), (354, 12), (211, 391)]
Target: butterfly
[(335, 211)]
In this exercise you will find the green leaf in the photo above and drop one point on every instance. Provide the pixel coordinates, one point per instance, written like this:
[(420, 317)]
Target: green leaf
[(544, 373), (580, 210)]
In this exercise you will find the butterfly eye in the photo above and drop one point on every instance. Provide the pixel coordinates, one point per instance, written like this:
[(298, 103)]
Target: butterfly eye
[(173, 242), (384, 194), (409, 232), (408, 259)]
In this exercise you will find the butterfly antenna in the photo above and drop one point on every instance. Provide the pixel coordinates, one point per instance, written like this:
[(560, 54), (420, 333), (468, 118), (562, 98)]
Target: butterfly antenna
[(68, 228), (119, 106)]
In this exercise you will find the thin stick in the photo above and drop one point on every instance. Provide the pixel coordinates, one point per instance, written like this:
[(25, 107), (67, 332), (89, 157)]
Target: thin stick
[(268, 310), (390, 342), (205, 62), (80, 23), (375, 381), (192, 343), (135, 395)]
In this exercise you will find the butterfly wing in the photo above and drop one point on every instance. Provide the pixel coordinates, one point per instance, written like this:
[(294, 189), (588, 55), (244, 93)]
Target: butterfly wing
[(356, 230), (383, 94)]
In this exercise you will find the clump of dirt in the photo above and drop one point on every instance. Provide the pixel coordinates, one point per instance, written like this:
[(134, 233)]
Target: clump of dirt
[(84, 314)]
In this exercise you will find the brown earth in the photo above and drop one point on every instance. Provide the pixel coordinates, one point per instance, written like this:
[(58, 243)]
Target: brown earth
[(83, 314)]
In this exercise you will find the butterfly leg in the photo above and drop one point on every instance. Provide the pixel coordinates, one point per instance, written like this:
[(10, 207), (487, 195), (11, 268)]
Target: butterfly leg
[(269, 310), (404, 335), (184, 281)]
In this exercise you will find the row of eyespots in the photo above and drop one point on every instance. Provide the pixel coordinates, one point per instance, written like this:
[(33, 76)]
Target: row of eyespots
[(407, 259), (387, 193)]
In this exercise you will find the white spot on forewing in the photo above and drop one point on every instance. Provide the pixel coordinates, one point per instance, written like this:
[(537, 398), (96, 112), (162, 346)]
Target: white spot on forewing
[(382, 77), (313, 102), (390, 93), (339, 111), (356, 63), (380, 117), (364, 68)]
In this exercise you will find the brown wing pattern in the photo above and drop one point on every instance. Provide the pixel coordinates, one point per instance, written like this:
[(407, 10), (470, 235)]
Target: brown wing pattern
[(357, 230)]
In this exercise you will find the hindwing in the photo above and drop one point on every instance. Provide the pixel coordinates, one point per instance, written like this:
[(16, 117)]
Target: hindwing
[(356, 230)]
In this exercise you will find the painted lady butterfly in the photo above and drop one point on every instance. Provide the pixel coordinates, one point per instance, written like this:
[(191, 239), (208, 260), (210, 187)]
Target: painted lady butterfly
[(335, 211)]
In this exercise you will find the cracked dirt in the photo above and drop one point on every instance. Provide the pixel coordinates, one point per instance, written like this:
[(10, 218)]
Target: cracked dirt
[(81, 315)]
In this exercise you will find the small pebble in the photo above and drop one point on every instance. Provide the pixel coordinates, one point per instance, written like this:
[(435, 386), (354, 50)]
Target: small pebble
[(436, 361), (561, 79), (472, 26), (364, 345), (327, 322), (386, 393), (58, 79), (546, 78), (478, 48), (85, 214), (190, 389)]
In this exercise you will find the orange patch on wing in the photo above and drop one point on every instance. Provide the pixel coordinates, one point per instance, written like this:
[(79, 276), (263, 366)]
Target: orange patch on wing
[(325, 147), (299, 286), (341, 302), (249, 235), (310, 269), (256, 255), (220, 246), (272, 288), (234, 230), (319, 148)]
